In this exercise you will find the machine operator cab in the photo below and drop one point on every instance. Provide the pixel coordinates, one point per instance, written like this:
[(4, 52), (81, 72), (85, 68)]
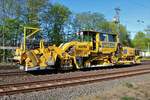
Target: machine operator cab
[(100, 41), (108, 42), (89, 37)]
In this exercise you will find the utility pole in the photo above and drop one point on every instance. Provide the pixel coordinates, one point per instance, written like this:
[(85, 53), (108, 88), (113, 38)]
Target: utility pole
[(117, 15), (116, 19)]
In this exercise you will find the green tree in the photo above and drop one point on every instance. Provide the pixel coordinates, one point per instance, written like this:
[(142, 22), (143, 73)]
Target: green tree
[(7, 18), (124, 36), (147, 39), (14, 14), (139, 40), (32, 10), (88, 21), (54, 20)]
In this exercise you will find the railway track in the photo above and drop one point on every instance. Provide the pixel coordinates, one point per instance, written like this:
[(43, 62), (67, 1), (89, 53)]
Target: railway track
[(12, 73), (9, 89)]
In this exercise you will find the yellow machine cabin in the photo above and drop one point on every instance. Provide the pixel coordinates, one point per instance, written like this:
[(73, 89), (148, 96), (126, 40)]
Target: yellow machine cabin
[(95, 49)]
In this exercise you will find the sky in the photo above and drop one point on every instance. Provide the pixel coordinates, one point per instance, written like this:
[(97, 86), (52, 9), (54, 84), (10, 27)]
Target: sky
[(131, 11)]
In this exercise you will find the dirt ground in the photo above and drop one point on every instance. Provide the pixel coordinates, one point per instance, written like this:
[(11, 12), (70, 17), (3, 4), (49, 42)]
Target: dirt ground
[(126, 91)]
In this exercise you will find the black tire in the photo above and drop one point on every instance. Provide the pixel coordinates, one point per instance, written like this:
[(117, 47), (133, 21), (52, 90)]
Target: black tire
[(57, 64)]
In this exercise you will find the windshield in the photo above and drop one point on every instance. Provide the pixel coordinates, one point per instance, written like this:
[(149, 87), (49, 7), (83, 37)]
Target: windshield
[(111, 38), (87, 38), (108, 37), (103, 37)]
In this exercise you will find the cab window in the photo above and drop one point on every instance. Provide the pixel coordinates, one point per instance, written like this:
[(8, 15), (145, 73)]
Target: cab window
[(87, 38), (111, 38), (103, 37)]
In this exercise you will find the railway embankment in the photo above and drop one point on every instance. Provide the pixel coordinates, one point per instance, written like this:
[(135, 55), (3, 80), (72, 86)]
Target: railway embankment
[(135, 87)]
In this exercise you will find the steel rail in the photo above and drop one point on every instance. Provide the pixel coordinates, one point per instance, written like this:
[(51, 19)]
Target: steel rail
[(4, 74)]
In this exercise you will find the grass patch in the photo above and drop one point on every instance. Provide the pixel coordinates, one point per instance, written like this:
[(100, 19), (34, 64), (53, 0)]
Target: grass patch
[(127, 98)]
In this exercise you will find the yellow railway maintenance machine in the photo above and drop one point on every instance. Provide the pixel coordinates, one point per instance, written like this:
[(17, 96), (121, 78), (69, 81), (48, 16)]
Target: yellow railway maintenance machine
[(91, 49)]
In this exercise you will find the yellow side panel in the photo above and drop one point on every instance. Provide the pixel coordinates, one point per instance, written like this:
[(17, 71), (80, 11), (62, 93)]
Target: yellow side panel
[(128, 51), (108, 50), (31, 55)]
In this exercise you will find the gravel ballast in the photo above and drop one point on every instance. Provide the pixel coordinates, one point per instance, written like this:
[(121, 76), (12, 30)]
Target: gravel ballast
[(77, 92)]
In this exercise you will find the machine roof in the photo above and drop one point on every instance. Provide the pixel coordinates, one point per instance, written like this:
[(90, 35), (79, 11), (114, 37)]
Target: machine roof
[(92, 31)]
